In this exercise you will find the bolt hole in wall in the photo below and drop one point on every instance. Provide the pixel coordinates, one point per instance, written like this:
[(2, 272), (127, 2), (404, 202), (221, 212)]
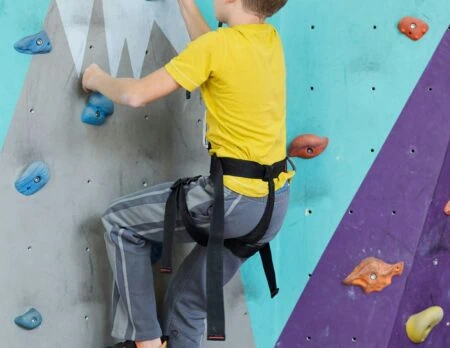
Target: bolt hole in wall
[(308, 212), (372, 150), (32, 111), (91, 47), (89, 181)]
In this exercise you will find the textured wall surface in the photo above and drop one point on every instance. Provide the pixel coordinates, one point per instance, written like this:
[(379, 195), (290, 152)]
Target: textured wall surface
[(342, 50), (53, 257), (350, 73), (387, 220)]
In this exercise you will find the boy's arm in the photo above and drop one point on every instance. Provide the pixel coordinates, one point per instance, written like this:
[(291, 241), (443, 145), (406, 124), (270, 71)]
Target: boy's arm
[(128, 91), (195, 23)]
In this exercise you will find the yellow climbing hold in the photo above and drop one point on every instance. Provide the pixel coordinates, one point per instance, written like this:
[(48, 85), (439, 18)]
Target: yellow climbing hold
[(419, 325)]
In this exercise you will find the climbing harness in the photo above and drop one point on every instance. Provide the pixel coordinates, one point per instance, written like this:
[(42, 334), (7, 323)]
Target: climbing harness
[(213, 239)]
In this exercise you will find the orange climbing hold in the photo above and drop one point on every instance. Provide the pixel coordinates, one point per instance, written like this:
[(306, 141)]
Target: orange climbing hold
[(373, 274), (414, 28), (307, 146), (447, 209)]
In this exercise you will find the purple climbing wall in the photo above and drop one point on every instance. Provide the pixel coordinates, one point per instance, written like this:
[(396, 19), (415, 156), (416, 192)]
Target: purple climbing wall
[(428, 283), (396, 215)]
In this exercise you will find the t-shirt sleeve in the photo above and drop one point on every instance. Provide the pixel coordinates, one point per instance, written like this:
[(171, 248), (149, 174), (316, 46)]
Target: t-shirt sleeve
[(201, 58)]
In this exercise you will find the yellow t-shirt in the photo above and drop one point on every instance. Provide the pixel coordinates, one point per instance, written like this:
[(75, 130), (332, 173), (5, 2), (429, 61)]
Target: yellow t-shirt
[(241, 73)]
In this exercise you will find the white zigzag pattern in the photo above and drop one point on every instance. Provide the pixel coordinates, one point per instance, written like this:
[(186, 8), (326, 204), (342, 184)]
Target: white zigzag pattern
[(125, 20)]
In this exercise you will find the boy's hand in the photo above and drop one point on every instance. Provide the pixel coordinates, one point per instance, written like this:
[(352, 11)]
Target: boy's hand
[(89, 77)]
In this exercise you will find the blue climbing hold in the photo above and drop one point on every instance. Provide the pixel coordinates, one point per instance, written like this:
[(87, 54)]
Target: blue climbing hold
[(100, 101), (97, 110), (93, 116), (33, 178), (34, 44), (30, 320), (156, 252)]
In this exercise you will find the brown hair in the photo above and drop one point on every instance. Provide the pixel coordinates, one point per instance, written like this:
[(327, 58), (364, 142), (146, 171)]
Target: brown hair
[(264, 8)]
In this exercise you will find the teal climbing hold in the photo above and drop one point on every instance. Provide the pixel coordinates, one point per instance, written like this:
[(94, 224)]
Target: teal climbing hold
[(97, 110), (30, 320), (33, 178), (34, 44)]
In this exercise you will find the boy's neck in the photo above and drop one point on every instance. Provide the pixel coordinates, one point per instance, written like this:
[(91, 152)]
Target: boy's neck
[(244, 18)]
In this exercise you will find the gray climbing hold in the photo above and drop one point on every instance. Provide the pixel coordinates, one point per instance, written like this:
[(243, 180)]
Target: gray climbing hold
[(33, 178), (97, 110), (34, 44), (30, 320)]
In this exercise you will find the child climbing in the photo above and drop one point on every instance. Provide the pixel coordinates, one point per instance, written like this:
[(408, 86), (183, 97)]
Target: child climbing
[(232, 213)]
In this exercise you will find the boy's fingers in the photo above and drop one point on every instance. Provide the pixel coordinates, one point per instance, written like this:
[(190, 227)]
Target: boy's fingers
[(82, 83)]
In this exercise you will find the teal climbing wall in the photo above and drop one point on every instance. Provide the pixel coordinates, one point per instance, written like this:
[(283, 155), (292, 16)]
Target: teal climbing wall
[(342, 50), (18, 19)]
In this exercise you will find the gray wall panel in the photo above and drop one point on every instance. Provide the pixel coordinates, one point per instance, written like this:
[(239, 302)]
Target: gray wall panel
[(65, 274)]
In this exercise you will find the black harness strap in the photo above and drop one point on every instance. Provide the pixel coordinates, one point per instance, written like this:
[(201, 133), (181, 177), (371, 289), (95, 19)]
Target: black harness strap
[(175, 203), (214, 260), (213, 239)]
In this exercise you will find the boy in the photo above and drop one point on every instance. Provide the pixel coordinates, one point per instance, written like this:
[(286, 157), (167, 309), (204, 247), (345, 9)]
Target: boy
[(241, 73)]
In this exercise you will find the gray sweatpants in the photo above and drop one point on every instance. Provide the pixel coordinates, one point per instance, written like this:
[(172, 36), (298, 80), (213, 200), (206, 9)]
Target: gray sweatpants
[(133, 222)]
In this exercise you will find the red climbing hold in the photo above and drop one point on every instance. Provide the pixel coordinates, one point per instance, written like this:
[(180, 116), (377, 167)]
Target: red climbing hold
[(414, 28), (447, 209), (307, 146)]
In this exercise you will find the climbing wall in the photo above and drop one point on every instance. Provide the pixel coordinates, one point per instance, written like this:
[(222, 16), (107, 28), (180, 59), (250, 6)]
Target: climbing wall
[(428, 281), (350, 75), (53, 253), (387, 219)]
